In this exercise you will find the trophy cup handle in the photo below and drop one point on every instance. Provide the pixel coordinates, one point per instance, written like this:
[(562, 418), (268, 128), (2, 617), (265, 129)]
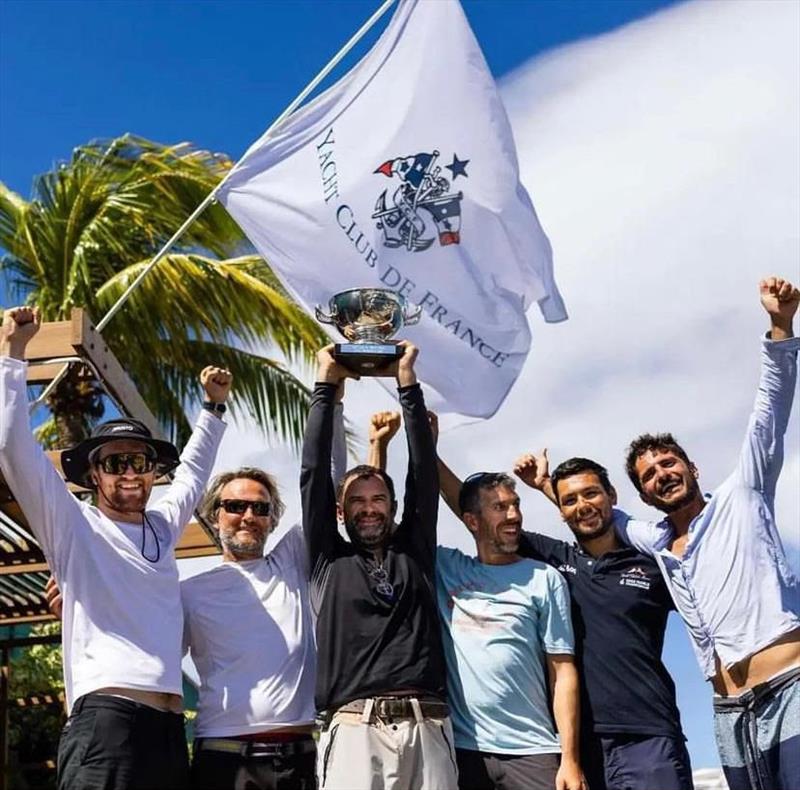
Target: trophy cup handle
[(411, 314), (323, 317)]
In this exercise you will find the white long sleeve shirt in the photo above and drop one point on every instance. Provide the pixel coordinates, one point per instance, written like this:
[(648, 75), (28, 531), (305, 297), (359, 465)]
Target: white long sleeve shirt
[(122, 616), (249, 628)]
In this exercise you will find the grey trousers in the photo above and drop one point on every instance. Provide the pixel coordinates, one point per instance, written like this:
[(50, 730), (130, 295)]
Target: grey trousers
[(386, 754)]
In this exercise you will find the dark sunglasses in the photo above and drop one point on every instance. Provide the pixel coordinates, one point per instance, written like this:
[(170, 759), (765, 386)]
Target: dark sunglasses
[(117, 463), (239, 506)]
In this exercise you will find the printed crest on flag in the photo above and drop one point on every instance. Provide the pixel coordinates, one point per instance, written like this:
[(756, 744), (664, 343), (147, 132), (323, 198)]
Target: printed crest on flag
[(422, 193), (404, 175)]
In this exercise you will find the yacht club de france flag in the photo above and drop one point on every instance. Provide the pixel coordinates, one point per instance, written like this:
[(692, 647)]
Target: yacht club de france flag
[(404, 175)]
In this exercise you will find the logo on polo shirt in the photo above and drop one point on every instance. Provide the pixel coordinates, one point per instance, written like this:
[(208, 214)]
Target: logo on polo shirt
[(565, 568), (635, 577)]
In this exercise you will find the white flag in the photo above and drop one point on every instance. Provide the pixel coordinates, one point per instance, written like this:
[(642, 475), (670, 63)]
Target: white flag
[(404, 175)]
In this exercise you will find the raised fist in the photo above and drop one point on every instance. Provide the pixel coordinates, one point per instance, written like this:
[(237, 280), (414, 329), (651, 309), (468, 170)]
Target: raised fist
[(20, 324), (383, 425), (216, 383)]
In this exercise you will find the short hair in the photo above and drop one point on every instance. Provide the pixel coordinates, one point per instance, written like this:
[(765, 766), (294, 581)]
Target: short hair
[(210, 503), (648, 442), (469, 496), (361, 472), (578, 466)]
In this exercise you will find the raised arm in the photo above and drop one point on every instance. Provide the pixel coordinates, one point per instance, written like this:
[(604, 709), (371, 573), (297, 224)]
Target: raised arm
[(383, 425), (449, 482), (339, 444), (316, 487), (421, 500), (31, 477), (534, 471), (761, 456), (197, 458)]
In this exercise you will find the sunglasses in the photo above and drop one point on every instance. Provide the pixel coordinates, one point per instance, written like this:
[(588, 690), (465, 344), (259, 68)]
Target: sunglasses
[(239, 506), (117, 463)]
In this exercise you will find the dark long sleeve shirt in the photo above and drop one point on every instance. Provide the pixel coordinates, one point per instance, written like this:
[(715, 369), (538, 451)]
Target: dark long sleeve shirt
[(371, 641)]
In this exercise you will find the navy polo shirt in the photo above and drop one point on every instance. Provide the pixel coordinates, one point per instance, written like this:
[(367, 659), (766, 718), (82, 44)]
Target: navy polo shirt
[(620, 605)]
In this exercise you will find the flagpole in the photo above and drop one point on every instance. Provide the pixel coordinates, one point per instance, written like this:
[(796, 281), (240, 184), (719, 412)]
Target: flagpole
[(115, 308)]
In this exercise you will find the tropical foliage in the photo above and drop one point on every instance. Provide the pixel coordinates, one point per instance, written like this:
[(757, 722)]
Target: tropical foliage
[(92, 225), (33, 731)]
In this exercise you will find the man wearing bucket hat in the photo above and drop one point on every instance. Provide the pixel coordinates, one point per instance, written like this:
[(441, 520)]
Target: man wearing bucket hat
[(115, 565)]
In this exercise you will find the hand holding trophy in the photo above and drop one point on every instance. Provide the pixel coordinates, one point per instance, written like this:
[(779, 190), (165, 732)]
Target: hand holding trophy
[(367, 318)]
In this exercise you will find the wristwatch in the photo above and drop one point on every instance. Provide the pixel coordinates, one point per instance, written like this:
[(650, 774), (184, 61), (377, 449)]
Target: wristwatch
[(216, 408)]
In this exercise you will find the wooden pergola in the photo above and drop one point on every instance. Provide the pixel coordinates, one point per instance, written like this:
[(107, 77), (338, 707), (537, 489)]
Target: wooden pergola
[(23, 568)]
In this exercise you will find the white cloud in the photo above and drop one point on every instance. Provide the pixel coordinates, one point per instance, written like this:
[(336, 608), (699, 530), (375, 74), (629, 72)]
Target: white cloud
[(663, 161)]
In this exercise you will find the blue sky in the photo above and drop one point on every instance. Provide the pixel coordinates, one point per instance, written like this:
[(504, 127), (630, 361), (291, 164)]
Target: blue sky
[(214, 73), (648, 143)]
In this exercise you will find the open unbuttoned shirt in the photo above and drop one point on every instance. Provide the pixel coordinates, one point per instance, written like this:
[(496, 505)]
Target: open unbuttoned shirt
[(733, 586)]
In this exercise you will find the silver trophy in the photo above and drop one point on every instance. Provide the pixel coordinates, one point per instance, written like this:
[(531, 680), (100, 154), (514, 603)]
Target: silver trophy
[(367, 318)]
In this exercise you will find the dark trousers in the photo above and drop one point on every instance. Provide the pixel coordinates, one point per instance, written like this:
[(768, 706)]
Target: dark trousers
[(110, 743), (636, 762), (489, 771), (213, 770)]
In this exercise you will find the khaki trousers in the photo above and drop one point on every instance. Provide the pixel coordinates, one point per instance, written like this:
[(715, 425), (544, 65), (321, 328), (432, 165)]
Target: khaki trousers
[(366, 752)]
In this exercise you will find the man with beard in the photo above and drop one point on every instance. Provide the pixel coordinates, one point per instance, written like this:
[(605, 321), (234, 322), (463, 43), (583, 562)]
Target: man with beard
[(508, 642), (380, 667), (116, 567), (631, 737), (507, 637), (722, 558), (248, 626)]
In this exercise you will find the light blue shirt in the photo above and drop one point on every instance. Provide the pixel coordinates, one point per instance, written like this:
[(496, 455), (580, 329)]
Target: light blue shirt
[(733, 586), (498, 621)]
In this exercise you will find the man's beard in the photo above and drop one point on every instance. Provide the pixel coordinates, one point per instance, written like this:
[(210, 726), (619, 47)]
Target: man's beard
[(251, 550), (597, 532), (376, 536), (503, 545), (126, 502), (691, 494), (506, 546)]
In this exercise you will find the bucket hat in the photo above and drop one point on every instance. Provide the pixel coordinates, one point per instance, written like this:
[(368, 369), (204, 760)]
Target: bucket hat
[(76, 461)]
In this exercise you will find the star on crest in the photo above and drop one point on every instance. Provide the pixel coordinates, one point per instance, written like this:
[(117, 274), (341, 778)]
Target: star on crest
[(459, 167)]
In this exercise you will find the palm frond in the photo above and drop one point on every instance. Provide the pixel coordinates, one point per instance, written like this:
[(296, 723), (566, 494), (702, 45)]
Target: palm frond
[(96, 220), (263, 389), (202, 298)]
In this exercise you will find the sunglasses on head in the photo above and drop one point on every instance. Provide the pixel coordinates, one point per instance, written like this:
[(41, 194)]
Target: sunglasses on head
[(117, 463), (239, 506), (473, 481)]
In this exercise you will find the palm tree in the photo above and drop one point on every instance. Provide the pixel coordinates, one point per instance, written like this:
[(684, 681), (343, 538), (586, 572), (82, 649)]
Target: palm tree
[(93, 224)]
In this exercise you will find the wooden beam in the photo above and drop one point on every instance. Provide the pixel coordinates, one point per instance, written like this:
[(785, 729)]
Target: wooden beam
[(89, 343), (194, 542), (54, 339), (23, 562), (78, 337), (44, 374)]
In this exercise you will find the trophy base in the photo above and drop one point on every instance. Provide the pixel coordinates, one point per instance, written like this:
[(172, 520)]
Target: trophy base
[(366, 358)]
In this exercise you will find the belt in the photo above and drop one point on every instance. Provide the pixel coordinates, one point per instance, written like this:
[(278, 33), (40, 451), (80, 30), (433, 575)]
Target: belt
[(751, 697), (304, 745), (397, 707)]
